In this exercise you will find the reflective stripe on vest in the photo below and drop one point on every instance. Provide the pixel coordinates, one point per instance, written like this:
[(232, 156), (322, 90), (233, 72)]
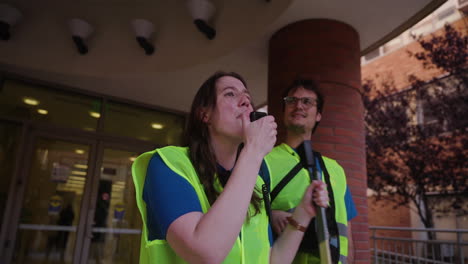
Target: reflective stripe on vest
[(254, 247), (281, 160)]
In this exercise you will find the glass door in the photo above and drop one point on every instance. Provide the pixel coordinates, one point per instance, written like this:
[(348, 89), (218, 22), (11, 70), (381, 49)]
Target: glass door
[(74, 202), (116, 226), (52, 203)]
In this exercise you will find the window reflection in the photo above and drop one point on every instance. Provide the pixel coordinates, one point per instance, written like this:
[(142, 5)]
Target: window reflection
[(32, 102), (117, 222), (52, 202), (144, 124)]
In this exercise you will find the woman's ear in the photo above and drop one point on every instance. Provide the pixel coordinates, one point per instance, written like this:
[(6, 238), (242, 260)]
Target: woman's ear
[(204, 115)]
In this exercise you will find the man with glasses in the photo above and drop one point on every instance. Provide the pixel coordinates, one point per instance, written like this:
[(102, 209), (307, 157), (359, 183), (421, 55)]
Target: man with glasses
[(302, 107)]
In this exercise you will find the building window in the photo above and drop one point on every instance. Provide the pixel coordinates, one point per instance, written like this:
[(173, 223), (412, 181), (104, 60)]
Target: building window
[(393, 45), (425, 114), (444, 14), (372, 55), (70, 109), (26, 101), (145, 124)]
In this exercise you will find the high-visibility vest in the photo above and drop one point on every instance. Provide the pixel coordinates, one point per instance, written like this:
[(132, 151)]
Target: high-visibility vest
[(281, 160), (252, 246)]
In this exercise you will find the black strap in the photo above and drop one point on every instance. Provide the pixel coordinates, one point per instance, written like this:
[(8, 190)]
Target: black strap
[(285, 181), (266, 200), (266, 188)]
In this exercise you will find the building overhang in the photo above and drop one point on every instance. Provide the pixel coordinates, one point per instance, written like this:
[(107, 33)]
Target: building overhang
[(41, 46)]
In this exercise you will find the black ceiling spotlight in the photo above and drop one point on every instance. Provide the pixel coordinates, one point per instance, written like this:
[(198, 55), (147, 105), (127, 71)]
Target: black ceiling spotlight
[(80, 30), (202, 11), (9, 16), (143, 31)]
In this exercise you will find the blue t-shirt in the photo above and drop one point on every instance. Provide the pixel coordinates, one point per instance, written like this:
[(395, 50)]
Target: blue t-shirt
[(168, 196), (350, 207)]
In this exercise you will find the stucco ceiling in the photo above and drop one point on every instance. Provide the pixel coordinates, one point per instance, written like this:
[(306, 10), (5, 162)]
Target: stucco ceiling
[(41, 47)]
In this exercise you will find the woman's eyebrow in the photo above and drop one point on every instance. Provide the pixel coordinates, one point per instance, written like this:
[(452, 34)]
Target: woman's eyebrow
[(228, 88), (246, 91)]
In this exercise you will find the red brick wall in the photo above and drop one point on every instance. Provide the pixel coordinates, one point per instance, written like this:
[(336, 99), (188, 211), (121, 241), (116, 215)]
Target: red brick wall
[(383, 213)]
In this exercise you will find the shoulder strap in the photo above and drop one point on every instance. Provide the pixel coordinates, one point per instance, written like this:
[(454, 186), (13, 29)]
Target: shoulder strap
[(285, 181)]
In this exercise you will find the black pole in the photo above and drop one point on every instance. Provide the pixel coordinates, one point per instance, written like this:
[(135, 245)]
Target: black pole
[(323, 236)]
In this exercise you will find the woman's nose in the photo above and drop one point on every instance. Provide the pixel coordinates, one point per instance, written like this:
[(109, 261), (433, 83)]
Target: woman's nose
[(244, 100)]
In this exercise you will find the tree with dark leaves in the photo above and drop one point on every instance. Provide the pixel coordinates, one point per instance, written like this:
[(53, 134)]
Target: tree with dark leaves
[(417, 137)]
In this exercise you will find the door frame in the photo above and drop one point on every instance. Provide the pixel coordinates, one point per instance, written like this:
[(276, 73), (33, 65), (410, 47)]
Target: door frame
[(12, 193), (97, 142)]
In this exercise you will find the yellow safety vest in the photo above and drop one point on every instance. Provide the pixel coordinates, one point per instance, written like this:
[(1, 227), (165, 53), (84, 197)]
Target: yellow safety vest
[(252, 247), (281, 160)]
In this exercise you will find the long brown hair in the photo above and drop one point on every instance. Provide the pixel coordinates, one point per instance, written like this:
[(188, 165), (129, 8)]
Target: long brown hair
[(197, 138)]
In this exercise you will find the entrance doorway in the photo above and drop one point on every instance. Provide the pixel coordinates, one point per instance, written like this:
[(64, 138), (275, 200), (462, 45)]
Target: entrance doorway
[(74, 202)]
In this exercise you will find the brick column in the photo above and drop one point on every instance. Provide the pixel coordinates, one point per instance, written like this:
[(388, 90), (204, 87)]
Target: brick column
[(328, 52)]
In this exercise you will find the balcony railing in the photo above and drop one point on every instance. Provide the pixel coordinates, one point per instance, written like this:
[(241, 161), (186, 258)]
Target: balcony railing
[(411, 245)]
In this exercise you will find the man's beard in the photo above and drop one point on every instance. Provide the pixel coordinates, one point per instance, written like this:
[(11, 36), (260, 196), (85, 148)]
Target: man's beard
[(297, 129)]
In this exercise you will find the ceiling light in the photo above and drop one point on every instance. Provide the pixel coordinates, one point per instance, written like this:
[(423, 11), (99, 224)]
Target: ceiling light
[(79, 151), (76, 178), (30, 101), (156, 126), (78, 172), (81, 166), (42, 111), (94, 114), (88, 129)]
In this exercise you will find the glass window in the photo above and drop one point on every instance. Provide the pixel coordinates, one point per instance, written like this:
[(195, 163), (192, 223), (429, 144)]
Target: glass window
[(422, 28), (393, 44), (372, 55), (32, 102), (144, 124), (447, 16)]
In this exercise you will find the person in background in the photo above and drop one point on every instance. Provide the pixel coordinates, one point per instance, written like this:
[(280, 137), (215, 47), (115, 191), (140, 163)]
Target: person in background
[(302, 108)]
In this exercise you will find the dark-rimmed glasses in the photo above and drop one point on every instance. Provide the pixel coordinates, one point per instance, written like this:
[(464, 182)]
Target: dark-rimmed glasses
[(306, 101)]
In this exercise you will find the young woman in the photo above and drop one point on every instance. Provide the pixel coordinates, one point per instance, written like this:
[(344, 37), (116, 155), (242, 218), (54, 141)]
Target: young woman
[(204, 203)]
